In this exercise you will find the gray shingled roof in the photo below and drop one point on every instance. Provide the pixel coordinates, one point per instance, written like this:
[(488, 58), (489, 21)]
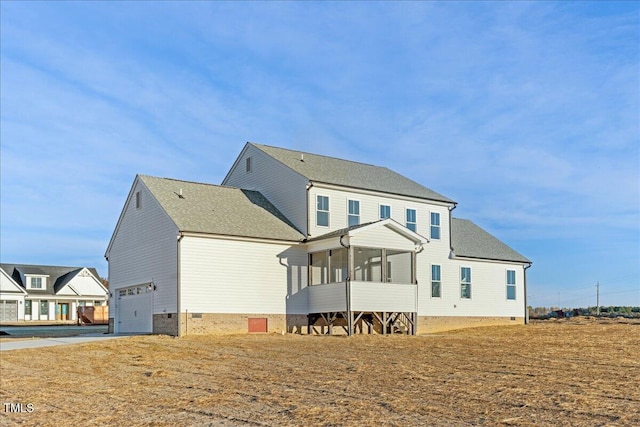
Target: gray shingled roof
[(58, 275), (469, 240), (214, 209), (330, 170)]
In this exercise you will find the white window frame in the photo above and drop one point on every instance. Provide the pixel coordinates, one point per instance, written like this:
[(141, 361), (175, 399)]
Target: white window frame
[(350, 215), (43, 282), (469, 283), (513, 285), (328, 211), (380, 211), (432, 227), (439, 281), (415, 220)]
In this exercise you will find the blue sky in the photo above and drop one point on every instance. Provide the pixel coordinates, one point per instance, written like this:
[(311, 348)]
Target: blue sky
[(525, 113)]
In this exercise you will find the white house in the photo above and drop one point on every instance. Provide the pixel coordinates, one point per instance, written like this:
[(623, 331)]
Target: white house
[(47, 293), (300, 242)]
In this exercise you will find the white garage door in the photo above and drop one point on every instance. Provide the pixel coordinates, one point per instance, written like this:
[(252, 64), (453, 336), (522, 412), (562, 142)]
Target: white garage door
[(8, 311), (135, 314)]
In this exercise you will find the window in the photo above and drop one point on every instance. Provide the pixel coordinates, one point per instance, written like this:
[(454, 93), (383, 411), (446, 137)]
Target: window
[(44, 308), (465, 282), (322, 211), (385, 211), (354, 213), (399, 267), (367, 265), (338, 265), (248, 164), (97, 303), (411, 219), (435, 225), (36, 283), (27, 307), (138, 200), (318, 268), (511, 284), (435, 281)]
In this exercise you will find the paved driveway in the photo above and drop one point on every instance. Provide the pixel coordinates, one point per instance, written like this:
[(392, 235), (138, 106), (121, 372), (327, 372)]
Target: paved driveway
[(21, 337), (6, 345)]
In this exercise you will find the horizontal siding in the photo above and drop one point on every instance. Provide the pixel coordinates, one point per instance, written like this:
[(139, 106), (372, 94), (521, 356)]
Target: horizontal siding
[(284, 188), (329, 297), (226, 276), (370, 211), (488, 289), (366, 296), (382, 237), (144, 249)]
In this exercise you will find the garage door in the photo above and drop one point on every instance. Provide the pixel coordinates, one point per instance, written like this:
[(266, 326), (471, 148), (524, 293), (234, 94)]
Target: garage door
[(8, 311), (134, 314)]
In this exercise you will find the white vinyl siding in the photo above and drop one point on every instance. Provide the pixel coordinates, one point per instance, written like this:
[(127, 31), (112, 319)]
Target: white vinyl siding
[(229, 276), (283, 187), (144, 249)]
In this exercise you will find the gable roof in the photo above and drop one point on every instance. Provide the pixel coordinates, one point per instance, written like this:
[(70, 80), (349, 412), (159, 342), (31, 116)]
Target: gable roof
[(389, 223), (9, 285), (469, 240), (331, 170), (213, 209), (58, 276)]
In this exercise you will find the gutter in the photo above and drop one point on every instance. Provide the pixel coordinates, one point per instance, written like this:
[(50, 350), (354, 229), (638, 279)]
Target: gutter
[(306, 232)]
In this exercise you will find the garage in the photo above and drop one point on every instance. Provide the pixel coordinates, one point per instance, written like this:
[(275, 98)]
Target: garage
[(135, 310), (8, 310)]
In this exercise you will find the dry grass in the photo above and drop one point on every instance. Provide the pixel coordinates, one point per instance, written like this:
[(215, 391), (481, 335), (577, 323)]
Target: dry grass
[(579, 374)]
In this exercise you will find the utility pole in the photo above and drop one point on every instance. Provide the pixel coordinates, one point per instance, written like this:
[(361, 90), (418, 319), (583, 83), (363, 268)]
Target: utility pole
[(598, 298)]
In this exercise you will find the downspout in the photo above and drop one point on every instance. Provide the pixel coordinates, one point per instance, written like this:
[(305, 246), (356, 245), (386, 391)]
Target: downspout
[(309, 185), (348, 286), (451, 208), (526, 309), (178, 302)]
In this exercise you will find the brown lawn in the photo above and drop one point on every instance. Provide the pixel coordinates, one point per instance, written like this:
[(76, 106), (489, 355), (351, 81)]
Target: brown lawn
[(575, 373)]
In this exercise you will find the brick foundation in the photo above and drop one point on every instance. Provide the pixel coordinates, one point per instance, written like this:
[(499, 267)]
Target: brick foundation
[(222, 324), (431, 324)]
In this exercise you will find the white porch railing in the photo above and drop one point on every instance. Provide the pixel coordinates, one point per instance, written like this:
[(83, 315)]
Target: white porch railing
[(365, 296)]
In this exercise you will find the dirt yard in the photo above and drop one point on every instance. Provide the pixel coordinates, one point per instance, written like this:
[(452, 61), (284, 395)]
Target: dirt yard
[(578, 373)]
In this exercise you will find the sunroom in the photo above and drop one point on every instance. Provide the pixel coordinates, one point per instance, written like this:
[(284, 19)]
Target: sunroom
[(363, 279)]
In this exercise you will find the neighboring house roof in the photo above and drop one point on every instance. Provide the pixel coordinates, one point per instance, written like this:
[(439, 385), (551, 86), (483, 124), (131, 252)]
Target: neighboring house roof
[(469, 240), (214, 209), (8, 285), (331, 170), (57, 278)]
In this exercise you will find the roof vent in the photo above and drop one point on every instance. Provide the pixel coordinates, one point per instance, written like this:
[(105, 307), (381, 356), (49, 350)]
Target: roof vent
[(301, 157), (179, 193)]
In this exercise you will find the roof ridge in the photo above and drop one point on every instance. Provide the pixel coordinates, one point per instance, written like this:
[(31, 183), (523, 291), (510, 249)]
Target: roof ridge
[(319, 155), (191, 182)]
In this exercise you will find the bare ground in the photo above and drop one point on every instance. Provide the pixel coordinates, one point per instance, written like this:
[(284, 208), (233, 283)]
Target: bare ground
[(578, 373)]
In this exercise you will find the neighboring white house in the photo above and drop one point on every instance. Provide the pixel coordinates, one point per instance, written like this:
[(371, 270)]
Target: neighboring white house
[(47, 293), (300, 242)]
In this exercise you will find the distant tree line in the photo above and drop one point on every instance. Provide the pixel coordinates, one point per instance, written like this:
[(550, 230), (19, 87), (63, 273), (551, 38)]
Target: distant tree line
[(606, 311)]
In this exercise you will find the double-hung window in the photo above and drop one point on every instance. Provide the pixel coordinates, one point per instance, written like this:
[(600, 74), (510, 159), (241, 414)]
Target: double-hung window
[(354, 213), (435, 225), (36, 283), (385, 211), (322, 211), (435, 281), (465, 282), (411, 219), (511, 284)]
